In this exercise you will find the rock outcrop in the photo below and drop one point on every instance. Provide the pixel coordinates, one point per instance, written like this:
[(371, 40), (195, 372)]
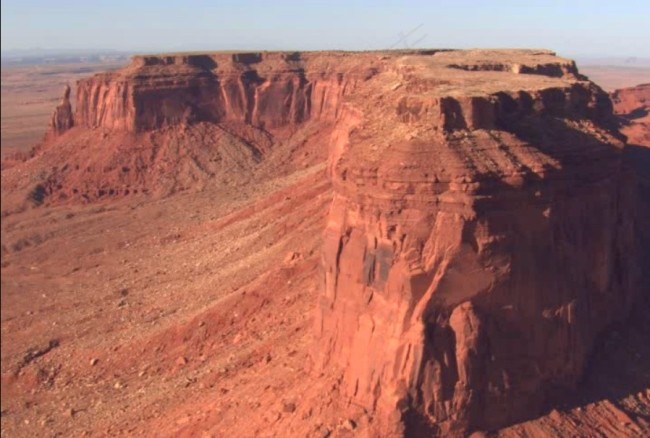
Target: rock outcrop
[(62, 118), (632, 101), (477, 241), (265, 90), (633, 106)]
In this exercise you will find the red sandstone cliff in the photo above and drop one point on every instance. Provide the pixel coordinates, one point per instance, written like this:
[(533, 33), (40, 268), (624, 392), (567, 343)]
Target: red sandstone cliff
[(628, 101), (62, 118), (633, 106), (481, 234), (165, 124), (266, 90), (476, 244)]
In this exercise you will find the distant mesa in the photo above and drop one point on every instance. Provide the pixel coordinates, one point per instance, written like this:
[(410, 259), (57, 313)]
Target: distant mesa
[(32, 57)]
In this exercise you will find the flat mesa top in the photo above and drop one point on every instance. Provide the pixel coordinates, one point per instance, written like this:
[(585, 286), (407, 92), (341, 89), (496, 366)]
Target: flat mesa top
[(442, 71), (469, 54), (480, 72)]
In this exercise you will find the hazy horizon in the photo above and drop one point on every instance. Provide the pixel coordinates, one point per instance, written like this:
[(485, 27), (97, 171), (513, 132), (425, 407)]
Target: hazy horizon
[(578, 29)]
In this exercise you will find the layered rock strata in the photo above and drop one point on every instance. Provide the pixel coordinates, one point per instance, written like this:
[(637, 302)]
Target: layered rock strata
[(476, 243), (632, 102), (266, 90), (633, 106), (62, 118), (169, 123)]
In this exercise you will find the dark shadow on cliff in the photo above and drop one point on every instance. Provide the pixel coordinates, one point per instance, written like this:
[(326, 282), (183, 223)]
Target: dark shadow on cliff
[(618, 362), (638, 158), (619, 365), (616, 351), (635, 114)]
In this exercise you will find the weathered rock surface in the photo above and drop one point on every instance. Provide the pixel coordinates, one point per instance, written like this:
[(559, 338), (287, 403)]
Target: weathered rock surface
[(266, 90), (486, 224), (477, 242), (633, 106), (62, 119), (628, 101), (170, 123)]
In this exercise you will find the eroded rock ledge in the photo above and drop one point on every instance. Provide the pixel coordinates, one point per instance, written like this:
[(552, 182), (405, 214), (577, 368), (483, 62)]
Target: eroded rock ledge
[(62, 118), (476, 244), (266, 90)]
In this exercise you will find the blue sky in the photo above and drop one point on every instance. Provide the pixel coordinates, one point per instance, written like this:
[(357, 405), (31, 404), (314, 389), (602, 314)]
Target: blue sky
[(571, 27)]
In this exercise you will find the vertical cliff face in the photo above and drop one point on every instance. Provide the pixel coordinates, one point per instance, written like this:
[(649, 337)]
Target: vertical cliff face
[(476, 244), (270, 90), (633, 107), (62, 118)]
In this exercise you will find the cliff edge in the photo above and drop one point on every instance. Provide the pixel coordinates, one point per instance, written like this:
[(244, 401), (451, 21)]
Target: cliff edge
[(478, 241)]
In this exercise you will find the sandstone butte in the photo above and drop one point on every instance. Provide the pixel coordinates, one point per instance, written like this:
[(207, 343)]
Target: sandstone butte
[(486, 226)]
